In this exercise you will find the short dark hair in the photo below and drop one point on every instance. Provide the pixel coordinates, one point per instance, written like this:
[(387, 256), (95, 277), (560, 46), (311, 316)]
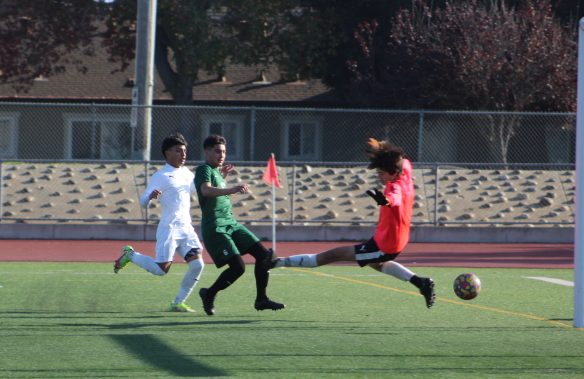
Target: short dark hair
[(389, 160), (212, 140), (173, 140)]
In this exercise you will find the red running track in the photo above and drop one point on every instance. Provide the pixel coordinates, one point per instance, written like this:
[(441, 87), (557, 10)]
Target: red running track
[(416, 254)]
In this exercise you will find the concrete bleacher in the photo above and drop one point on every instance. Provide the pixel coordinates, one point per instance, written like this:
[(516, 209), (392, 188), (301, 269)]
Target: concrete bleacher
[(108, 193)]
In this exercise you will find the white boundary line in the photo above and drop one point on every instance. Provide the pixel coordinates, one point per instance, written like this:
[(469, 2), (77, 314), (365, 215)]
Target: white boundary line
[(561, 282)]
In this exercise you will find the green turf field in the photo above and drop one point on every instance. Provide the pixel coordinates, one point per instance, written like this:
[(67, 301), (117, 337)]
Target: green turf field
[(77, 320)]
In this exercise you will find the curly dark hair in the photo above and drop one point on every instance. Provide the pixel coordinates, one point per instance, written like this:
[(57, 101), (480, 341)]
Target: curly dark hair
[(173, 140), (389, 159)]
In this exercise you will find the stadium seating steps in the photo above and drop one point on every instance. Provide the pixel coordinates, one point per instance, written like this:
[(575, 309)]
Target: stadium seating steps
[(108, 193)]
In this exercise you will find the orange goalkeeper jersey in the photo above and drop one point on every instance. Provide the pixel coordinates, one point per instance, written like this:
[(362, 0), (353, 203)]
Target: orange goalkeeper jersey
[(393, 228)]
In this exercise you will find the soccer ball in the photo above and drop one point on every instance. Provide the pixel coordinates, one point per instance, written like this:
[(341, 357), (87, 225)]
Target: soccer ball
[(467, 286)]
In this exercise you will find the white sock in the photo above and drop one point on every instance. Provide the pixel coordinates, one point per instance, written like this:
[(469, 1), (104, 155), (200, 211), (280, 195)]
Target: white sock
[(302, 260), (147, 263), (190, 280), (396, 270)]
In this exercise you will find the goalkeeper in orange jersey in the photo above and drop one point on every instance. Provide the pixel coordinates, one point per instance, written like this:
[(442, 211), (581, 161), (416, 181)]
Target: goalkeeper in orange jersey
[(392, 233)]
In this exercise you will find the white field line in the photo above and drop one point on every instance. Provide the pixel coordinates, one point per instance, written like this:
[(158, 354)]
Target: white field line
[(136, 272), (561, 282)]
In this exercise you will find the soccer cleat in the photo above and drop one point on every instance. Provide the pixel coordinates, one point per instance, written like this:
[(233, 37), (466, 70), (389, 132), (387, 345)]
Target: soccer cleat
[(180, 307), (427, 290), (278, 262), (124, 259), (208, 305), (266, 303)]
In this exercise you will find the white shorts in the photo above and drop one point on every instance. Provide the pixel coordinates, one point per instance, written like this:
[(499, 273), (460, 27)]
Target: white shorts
[(176, 239)]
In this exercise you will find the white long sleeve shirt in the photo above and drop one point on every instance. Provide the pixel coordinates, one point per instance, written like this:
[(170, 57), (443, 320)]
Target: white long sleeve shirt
[(176, 186)]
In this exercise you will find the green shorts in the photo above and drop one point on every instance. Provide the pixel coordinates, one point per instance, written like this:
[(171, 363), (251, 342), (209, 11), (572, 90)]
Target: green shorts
[(223, 242)]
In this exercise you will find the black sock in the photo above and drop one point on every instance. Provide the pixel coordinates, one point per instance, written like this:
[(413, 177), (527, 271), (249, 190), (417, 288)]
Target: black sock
[(261, 276), (416, 281), (228, 276), (261, 270)]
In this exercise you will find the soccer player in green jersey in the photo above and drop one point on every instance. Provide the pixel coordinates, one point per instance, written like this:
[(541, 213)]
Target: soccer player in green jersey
[(225, 239)]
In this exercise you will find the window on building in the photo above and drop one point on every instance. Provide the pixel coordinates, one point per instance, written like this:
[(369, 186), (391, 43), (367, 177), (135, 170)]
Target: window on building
[(302, 140), (8, 140), (230, 128), (99, 139)]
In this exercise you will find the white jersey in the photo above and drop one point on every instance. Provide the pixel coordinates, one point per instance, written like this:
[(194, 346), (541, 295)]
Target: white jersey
[(176, 186), (175, 231)]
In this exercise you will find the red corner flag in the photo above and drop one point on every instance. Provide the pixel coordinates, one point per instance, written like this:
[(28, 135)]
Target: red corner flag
[(271, 173)]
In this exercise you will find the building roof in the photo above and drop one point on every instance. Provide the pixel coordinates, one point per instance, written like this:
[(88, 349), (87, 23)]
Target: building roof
[(103, 82)]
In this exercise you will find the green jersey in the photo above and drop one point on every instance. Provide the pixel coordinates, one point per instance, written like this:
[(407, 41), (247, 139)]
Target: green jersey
[(216, 211), (224, 237)]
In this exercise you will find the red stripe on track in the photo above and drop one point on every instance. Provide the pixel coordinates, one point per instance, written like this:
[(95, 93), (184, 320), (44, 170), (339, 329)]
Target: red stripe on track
[(416, 254)]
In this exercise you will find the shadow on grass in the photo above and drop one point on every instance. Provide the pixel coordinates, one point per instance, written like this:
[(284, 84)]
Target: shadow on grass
[(136, 325), (74, 315), (162, 356)]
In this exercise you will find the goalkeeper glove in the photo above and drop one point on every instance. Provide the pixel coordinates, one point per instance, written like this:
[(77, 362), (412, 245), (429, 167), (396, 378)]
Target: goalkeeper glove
[(378, 196)]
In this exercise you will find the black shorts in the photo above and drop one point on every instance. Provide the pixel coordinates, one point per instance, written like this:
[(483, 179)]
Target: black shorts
[(368, 252)]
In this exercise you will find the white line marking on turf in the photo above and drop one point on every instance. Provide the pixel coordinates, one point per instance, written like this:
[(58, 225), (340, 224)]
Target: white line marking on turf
[(561, 282)]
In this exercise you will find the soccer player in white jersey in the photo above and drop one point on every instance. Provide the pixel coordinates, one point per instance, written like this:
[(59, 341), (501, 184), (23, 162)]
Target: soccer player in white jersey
[(172, 185)]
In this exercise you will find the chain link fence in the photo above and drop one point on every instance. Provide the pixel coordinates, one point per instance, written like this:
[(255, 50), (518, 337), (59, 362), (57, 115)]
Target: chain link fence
[(109, 132), (80, 163)]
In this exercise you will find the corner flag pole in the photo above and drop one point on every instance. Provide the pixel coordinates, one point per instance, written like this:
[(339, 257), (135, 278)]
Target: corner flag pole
[(271, 177), (274, 216), (579, 211)]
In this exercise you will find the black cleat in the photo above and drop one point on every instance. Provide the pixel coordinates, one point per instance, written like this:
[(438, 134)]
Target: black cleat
[(208, 305), (261, 305), (274, 262), (427, 290)]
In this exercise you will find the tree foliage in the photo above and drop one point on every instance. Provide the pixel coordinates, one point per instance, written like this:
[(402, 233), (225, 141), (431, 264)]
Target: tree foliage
[(469, 55), (38, 38), (458, 55), (304, 39)]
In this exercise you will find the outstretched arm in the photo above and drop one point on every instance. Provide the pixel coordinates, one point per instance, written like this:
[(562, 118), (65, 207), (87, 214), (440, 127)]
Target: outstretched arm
[(208, 190)]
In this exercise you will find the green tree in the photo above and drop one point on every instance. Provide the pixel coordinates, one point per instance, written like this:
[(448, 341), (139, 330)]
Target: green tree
[(37, 38), (304, 39), (470, 55)]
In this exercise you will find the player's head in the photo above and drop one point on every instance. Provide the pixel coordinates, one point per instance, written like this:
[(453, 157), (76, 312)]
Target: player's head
[(173, 140), (214, 147), (388, 162), (213, 140), (174, 149)]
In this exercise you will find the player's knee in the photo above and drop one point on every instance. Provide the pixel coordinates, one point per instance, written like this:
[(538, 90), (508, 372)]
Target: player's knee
[(196, 263), (238, 270), (193, 254), (237, 266), (261, 254)]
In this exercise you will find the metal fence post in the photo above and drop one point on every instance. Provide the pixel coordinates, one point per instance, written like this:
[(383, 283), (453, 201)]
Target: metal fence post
[(1, 192), (252, 126), (146, 177), (293, 195), (94, 135), (437, 181), (420, 135)]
